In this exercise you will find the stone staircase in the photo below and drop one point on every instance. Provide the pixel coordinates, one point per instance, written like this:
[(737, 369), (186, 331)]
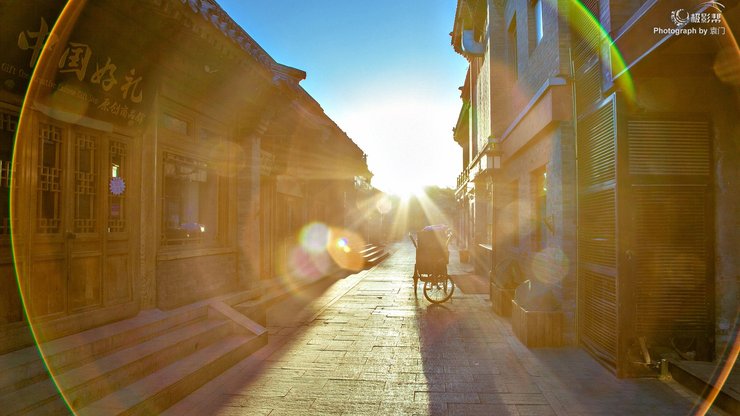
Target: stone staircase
[(274, 290), (137, 366), (373, 254)]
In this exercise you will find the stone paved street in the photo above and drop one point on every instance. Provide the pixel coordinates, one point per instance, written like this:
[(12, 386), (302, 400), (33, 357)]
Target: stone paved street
[(365, 345)]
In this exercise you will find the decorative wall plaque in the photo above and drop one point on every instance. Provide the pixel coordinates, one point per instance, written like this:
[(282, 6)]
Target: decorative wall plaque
[(117, 186)]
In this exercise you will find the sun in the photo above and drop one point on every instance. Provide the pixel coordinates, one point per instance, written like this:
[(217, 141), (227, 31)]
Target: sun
[(403, 183), (405, 190)]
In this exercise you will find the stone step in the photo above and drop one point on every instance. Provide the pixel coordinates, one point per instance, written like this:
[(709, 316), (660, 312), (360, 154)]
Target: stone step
[(156, 392), (94, 380), (255, 309), (370, 250), (370, 262), (368, 255), (25, 367), (701, 377), (373, 254)]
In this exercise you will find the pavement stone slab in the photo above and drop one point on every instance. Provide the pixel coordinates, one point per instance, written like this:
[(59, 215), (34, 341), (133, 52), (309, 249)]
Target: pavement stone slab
[(513, 398), (368, 345), (479, 386), (482, 409)]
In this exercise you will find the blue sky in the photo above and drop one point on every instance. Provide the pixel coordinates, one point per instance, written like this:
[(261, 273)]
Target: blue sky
[(384, 70)]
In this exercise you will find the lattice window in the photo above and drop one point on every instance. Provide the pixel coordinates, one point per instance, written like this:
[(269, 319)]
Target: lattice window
[(8, 126), (190, 201), (6, 172), (49, 188), (118, 152), (86, 183), (8, 122)]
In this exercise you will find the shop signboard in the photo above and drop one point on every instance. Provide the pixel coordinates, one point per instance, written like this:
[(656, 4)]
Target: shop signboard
[(98, 71)]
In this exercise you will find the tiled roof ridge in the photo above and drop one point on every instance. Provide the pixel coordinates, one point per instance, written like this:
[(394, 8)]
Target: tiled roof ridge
[(211, 12)]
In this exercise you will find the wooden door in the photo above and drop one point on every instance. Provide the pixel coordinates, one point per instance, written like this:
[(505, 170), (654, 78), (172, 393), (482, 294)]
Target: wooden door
[(120, 218), (47, 271), (645, 235), (669, 187), (11, 311), (80, 244), (83, 227)]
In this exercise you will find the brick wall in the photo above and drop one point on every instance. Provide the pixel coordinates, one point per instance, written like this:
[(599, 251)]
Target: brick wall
[(536, 62), (184, 280), (561, 204), (553, 147)]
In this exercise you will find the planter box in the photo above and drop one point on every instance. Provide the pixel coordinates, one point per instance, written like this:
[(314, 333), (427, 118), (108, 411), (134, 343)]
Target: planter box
[(501, 300), (537, 329)]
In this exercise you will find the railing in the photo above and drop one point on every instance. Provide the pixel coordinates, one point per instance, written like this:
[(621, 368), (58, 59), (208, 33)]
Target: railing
[(463, 178)]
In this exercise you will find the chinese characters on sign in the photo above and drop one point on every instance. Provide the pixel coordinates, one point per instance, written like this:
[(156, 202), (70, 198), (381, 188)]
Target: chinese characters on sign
[(75, 59), (36, 41), (123, 111), (123, 88)]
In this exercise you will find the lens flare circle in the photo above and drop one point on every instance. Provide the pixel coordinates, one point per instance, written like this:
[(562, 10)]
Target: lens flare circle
[(345, 249), (314, 237)]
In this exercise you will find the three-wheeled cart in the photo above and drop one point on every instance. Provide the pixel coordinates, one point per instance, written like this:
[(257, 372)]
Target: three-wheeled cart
[(432, 257)]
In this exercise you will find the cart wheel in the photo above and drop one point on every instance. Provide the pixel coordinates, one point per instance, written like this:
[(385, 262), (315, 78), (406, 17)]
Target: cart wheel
[(439, 290)]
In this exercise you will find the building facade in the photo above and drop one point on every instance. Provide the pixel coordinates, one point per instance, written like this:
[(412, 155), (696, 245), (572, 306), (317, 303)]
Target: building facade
[(516, 188), (598, 137), (154, 155)]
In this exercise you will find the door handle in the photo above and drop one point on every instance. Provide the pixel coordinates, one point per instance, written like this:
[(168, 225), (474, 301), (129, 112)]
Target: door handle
[(70, 235)]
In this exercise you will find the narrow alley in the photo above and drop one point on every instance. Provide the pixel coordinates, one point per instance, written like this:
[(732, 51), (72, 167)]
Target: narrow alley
[(366, 345), (223, 207)]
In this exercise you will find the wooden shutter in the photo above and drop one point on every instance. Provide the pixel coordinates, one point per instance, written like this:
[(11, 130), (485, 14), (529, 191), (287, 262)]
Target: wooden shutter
[(670, 188), (585, 55), (597, 245)]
